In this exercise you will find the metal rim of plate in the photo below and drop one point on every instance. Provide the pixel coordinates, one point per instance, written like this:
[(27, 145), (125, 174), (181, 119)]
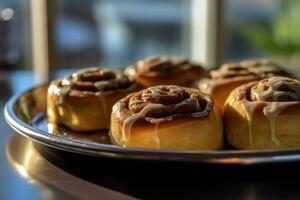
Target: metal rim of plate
[(228, 157)]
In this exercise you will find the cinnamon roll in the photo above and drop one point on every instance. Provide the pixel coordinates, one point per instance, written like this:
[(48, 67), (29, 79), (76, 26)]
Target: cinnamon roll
[(264, 114), (167, 117), (162, 70), (230, 76), (83, 101)]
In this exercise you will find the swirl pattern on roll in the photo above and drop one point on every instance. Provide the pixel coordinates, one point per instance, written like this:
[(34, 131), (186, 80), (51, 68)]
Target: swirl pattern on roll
[(165, 101), (256, 68), (157, 109), (167, 117), (271, 96), (95, 80), (83, 100), (276, 89), (161, 65), (161, 70)]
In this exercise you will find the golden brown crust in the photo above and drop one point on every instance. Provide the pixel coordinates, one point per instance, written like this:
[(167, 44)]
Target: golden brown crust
[(83, 101), (230, 76), (165, 71), (167, 117), (264, 114)]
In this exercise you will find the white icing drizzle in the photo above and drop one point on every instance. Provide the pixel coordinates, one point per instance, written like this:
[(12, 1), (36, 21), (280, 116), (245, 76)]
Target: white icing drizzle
[(67, 84), (271, 109), (127, 124), (203, 112), (100, 85), (248, 70), (157, 122), (156, 93), (249, 108), (273, 91), (156, 135), (64, 90)]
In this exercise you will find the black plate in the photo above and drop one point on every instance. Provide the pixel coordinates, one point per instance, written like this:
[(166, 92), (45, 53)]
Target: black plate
[(25, 113)]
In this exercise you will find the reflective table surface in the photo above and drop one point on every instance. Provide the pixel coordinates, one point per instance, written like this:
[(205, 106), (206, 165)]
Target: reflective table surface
[(32, 171), (24, 173)]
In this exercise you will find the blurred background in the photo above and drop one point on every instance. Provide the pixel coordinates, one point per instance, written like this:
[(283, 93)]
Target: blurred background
[(40, 37), (115, 33)]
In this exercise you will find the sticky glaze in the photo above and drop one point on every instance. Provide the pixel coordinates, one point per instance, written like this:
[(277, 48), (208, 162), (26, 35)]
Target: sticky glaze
[(155, 94), (269, 93)]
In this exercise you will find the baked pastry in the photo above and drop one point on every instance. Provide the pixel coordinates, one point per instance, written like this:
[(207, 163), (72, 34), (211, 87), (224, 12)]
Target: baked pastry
[(162, 70), (167, 117), (83, 100), (264, 114), (230, 76)]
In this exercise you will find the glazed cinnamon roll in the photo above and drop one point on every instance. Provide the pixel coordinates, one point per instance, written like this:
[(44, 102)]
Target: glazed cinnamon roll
[(162, 70), (230, 76), (264, 114), (167, 117), (83, 100)]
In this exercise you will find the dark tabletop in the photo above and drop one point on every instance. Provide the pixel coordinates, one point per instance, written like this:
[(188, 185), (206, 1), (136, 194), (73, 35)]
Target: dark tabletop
[(32, 171)]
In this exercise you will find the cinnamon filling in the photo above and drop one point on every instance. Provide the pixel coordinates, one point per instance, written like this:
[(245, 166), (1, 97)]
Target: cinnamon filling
[(161, 65), (94, 76), (173, 100), (96, 80)]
